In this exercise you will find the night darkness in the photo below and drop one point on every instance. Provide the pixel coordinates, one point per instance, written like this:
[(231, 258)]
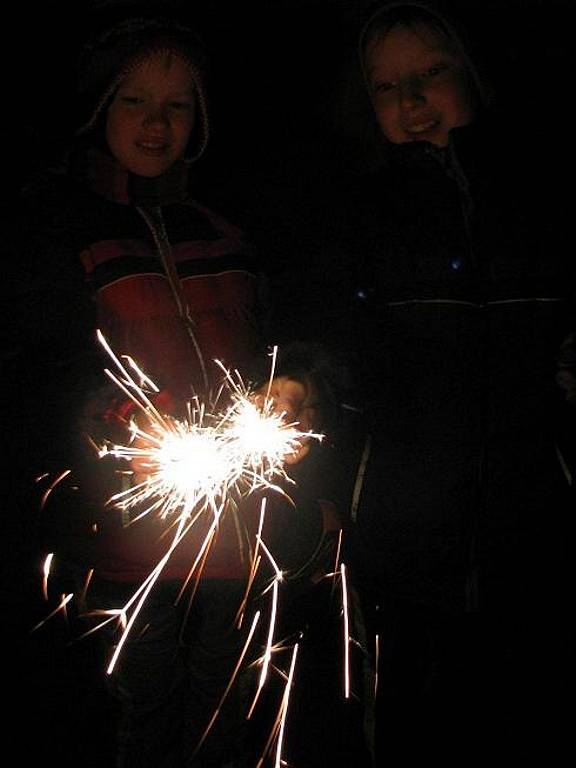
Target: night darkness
[(283, 108)]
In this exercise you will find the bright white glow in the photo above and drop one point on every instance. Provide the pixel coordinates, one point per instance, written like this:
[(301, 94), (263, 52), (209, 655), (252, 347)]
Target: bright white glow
[(46, 571)]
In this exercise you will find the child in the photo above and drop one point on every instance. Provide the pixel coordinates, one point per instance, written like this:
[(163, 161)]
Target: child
[(174, 286), (456, 299)]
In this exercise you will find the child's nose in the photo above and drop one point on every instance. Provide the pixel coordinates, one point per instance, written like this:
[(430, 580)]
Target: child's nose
[(411, 92), (157, 115)]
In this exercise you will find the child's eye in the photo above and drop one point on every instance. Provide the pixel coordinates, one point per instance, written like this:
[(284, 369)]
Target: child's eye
[(384, 86), (131, 100), (180, 104), (435, 70)]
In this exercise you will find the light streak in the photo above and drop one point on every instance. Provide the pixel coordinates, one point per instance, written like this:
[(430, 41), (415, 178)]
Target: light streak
[(46, 573), (256, 559), (265, 661), (82, 597), (60, 607), (231, 681), (376, 662), (346, 633), (338, 550), (278, 727), (113, 614), (144, 590), (52, 485), (285, 702), (334, 572)]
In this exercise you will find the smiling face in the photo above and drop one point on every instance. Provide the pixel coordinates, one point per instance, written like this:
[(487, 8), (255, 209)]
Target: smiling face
[(420, 86), (151, 117)]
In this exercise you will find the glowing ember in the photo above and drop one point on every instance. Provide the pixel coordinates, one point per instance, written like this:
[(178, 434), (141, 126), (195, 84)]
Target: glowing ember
[(192, 465), (346, 633), (46, 573)]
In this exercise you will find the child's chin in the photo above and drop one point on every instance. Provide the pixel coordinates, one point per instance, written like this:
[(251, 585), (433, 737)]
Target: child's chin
[(149, 170)]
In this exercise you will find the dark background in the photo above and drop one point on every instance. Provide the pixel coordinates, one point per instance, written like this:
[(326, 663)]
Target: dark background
[(286, 120)]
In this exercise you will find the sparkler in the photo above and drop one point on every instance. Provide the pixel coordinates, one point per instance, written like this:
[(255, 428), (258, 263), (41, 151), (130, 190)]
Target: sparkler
[(201, 465), (186, 468), (194, 465)]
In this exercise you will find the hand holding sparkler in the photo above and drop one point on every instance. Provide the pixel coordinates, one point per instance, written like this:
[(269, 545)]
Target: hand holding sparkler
[(290, 399), (296, 401), (191, 465)]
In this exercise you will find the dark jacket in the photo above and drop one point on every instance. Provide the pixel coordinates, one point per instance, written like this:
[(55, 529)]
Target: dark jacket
[(457, 293)]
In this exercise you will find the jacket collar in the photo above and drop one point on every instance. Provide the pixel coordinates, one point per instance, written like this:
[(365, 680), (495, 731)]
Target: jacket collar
[(108, 179)]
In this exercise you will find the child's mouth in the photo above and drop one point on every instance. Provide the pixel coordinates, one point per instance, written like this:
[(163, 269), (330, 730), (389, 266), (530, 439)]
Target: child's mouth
[(152, 148), (419, 129)]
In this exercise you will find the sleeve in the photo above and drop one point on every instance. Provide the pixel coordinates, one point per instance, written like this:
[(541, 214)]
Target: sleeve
[(50, 365), (566, 374), (303, 525), (566, 418), (48, 307)]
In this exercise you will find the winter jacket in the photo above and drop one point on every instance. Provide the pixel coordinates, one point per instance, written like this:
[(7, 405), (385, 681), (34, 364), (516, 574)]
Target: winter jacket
[(174, 288), (457, 294)]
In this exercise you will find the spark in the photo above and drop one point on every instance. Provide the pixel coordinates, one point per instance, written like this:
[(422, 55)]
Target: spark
[(144, 590), (334, 572), (195, 463), (265, 661), (346, 633), (256, 559), (231, 681), (87, 581), (112, 614), (46, 573), (52, 485), (376, 662), (279, 724), (60, 607), (285, 702), (338, 550)]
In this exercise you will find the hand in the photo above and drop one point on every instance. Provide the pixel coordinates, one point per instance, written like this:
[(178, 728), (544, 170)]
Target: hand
[(297, 400)]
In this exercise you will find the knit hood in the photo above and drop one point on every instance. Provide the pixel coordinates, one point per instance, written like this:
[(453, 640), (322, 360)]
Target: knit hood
[(106, 60)]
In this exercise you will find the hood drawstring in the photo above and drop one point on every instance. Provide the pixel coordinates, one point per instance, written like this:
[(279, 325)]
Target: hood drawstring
[(155, 222)]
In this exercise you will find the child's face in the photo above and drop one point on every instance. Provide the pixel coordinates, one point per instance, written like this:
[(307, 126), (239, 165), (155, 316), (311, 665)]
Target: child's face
[(420, 87), (149, 122)]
